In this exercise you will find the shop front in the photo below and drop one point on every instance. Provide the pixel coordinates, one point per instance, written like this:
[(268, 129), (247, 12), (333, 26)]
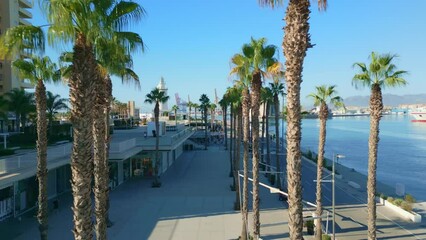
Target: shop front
[(143, 164)]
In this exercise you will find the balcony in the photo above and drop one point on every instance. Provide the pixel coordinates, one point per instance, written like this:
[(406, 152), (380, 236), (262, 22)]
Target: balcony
[(24, 22), (26, 85), (23, 13), (25, 4)]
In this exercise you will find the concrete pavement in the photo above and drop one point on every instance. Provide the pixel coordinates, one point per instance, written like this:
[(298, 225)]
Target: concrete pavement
[(194, 202)]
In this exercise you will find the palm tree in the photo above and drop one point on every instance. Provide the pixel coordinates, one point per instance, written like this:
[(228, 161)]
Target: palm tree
[(380, 73), (262, 61), (236, 107), (241, 68), (277, 89), (190, 105), (204, 106), (156, 96), (111, 59), (3, 108), (231, 99), (54, 104), (38, 70), (295, 44), (322, 97), (267, 97), (224, 105), (195, 106), (212, 114), (175, 108), (21, 103), (85, 23)]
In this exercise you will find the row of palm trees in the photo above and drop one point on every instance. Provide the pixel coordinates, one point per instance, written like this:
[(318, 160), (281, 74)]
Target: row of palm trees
[(380, 73), (22, 104), (97, 29), (199, 106)]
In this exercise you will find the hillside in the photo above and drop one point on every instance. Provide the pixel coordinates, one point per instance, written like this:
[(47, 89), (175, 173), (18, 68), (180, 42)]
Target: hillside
[(388, 100)]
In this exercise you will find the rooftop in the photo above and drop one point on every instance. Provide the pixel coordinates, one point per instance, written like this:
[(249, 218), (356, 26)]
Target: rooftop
[(124, 144)]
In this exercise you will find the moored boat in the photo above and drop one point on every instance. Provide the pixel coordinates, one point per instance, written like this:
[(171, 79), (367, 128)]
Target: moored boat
[(419, 116)]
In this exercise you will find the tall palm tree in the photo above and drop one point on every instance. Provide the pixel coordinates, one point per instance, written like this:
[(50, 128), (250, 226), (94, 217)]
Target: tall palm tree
[(112, 58), (54, 104), (380, 73), (262, 62), (295, 44), (277, 89), (84, 23), (204, 106), (323, 96), (267, 98), (156, 97), (175, 108), (38, 70), (224, 105), (241, 69), (230, 95), (237, 119), (21, 103)]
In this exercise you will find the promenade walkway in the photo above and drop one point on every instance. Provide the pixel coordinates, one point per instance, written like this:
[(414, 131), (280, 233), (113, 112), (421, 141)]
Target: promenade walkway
[(194, 202)]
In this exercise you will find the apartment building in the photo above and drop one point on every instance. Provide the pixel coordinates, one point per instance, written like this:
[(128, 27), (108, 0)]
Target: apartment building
[(12, 13)]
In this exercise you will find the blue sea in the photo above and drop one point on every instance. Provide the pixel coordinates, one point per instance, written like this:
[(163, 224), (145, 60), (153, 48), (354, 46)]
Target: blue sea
[(401, 154)]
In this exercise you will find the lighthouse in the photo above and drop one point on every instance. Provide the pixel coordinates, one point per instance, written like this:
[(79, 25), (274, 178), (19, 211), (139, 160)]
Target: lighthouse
[(162, 87)]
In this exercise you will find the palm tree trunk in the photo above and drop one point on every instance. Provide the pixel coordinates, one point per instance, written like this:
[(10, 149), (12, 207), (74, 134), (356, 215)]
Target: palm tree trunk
[(81, 92), (157, 142), (262, 157), (235, 140), (277, 140), (296, 42), (231, 141), (42, 216), (225, 126), (176, 118), (101, 176), (376, 107), (205, 128), (237, 157), (18, 121), (246, 129), (255, 104), (268, 138), (320, 162), (108, 91)]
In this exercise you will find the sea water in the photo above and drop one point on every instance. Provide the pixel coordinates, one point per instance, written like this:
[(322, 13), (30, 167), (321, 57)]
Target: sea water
[(401, 154)]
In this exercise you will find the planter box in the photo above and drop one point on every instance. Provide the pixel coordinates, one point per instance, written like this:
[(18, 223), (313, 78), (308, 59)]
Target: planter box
[(414, 217)]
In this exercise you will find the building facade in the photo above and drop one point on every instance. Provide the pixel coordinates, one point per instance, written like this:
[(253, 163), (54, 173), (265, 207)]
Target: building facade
[(12, 13)]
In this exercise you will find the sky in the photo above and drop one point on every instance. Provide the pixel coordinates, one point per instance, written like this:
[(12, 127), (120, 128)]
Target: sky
[(190, 44)]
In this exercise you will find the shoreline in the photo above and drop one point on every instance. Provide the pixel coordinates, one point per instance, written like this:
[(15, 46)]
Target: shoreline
[(350, 174)]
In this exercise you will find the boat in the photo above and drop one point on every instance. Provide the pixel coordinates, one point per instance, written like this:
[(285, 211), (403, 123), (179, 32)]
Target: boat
[(419, 116)]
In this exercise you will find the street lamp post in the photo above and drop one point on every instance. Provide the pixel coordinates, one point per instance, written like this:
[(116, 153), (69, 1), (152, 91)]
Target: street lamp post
[(337, 156)]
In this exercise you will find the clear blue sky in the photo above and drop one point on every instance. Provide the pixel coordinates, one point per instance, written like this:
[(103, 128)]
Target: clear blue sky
[(190, 43)]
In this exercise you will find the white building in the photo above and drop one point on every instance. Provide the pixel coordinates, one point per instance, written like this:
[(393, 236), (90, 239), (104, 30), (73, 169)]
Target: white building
[(12, 13), (162, 87)]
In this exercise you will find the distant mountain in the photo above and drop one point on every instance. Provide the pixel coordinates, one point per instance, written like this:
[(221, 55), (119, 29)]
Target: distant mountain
[(388, 100)]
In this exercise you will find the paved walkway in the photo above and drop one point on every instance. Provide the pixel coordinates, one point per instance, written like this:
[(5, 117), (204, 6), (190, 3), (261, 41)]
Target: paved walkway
[(194, 202)]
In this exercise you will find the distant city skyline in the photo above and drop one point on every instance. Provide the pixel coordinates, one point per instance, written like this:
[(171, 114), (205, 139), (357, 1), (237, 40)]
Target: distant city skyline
[(190, 44)]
